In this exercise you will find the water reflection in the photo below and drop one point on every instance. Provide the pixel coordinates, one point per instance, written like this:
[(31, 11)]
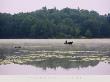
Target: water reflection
[(54, 63), (54, 53), (55, 59)]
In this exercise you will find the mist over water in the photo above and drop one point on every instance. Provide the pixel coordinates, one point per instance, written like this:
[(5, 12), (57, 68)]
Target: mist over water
[(52, 56)]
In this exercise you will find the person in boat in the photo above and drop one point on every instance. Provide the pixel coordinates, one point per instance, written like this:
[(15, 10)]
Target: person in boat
[(68, 42)]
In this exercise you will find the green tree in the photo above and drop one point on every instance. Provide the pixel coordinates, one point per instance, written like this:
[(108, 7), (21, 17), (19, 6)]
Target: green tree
[(88, 33)]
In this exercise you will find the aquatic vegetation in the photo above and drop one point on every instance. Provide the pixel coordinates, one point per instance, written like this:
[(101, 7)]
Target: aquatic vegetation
[(55, 59), (53, 56)]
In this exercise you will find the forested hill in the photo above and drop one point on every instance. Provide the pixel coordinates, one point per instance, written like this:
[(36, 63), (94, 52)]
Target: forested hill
[(53, 23)]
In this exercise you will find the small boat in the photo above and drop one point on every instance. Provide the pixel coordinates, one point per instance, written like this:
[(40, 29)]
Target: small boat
[(68, 42)]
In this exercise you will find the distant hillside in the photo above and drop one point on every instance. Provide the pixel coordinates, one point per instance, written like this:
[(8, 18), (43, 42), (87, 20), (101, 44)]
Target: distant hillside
[(53, 23)]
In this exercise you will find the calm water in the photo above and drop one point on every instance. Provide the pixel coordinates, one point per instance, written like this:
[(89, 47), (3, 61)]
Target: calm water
[(52, 56)]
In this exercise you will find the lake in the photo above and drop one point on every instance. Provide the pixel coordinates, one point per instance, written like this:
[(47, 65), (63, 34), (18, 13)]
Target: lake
[(52, 56)]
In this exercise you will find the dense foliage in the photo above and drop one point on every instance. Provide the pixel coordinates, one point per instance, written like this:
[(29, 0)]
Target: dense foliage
[(53, 23)]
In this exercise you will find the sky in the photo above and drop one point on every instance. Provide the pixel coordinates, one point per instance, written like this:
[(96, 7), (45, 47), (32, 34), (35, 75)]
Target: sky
[(16, 6)]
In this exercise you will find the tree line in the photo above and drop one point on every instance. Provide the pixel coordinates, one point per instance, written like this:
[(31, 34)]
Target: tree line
[(54, 23)]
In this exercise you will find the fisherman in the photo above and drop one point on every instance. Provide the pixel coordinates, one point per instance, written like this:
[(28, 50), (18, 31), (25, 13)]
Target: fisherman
[(66, 42)]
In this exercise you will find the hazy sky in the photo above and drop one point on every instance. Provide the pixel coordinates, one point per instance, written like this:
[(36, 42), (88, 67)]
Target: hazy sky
[(15, 6)]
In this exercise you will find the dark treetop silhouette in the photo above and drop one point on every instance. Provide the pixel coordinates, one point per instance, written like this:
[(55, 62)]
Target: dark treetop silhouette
[(54, 23)]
